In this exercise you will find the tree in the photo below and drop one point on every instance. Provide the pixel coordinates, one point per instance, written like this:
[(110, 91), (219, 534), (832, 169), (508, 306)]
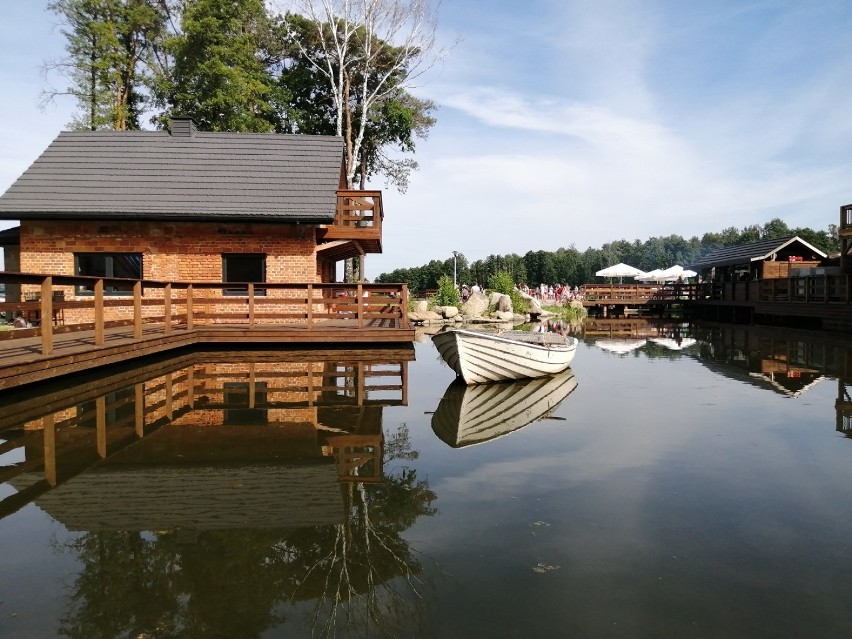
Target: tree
[(367, 53), (220, 70), (110, 43)]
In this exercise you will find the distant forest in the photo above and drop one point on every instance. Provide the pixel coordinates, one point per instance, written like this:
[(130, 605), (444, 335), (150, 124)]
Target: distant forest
[(571, 266)]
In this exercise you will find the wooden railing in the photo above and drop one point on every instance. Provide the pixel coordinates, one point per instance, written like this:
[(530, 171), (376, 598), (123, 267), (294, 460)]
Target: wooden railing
[(810, 289), (359, 209), (183, 305), (642, 293)]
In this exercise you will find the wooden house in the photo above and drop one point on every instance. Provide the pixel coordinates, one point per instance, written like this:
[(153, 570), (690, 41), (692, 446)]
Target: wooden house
[(188, 205), (767, 259)]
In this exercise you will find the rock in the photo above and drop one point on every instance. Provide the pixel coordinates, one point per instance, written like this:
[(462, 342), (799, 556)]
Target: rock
[(475, 306), (494, 299), (450, 312), (504, 304), (505, 316), (426, 317), (421, 306)]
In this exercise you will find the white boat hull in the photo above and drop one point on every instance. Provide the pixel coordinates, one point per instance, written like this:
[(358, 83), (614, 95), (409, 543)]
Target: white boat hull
[(479, 357)]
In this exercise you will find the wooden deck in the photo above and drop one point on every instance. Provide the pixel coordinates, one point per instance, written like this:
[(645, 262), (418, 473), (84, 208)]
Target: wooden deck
[(100, 331)]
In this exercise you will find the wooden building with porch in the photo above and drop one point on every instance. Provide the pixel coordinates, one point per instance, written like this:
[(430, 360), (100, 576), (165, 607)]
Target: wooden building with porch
[(183, 229)]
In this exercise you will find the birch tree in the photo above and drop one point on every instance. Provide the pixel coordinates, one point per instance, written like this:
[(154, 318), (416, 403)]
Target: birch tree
[(367, 51)]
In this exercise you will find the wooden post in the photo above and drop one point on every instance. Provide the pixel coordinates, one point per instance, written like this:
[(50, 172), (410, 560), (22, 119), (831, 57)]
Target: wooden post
[(404, 304), (359, 293), (100, 423), (189, 307), (99, 312), (48, 426), (190, 387), (139, 408), (167, 308), (169, 397), (47, 316), (252, 386), (404, 377), (137, 310), (360, 381), (251, 304), (310, 298)]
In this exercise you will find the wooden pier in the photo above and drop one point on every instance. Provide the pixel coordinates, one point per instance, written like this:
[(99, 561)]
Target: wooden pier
[(93, 330)]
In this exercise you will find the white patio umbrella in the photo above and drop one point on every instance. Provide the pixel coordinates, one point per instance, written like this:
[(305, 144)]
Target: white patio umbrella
[(619, 270), (650, 276), (673, 344), (676, 271)]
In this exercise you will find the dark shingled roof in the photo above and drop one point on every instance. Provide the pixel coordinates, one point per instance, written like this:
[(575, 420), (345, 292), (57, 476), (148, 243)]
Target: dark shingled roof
[(155, 175), (746, 253)]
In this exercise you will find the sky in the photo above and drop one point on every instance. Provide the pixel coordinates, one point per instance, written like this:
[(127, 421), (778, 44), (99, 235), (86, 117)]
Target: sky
[(575, 122)]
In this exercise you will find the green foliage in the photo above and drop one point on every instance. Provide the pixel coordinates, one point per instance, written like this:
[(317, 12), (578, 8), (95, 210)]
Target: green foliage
[(372, 95), (572, 267), (501, 282), (109, 45), (219, 76), (447, 294)]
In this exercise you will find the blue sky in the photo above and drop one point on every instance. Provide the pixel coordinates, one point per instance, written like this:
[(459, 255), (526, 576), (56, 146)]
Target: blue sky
[(565, 122)]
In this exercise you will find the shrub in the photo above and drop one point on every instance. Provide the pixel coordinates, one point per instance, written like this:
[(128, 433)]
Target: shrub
[(447, 295), (501, 282)]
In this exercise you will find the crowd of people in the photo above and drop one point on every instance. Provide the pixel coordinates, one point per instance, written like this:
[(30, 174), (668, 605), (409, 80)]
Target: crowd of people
[(559, 293)]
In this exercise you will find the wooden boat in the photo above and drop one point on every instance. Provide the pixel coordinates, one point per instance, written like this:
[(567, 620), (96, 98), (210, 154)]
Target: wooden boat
[(477, 356), (478, 413)]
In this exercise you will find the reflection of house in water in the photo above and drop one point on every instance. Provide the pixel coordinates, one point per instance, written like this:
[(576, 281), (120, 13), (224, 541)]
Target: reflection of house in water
[(785, 362), (769, 359), (843, 407), (205, 441)]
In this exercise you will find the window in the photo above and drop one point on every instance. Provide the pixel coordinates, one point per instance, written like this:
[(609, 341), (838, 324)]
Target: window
[(108, 265), (237, 411), (243, 267)]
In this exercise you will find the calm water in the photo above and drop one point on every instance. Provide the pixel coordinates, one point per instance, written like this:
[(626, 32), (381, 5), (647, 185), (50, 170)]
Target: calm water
[(700, 492)]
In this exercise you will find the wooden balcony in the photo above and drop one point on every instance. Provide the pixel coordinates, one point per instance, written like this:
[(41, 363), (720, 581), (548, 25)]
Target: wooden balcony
[(357, 227), (846, 219)]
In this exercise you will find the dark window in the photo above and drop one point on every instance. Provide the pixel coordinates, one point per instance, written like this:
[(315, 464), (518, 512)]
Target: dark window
[(237, 411), (108, 265), (243, 267)]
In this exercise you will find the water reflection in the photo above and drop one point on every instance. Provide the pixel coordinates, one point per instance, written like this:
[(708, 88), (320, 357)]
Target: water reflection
[(216, 497), (478, 413)]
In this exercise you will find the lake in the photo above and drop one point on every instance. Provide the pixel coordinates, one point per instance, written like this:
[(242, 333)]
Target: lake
[(699, 485)]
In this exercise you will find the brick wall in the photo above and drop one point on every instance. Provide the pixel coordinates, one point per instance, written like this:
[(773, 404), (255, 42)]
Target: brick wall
[(172, 251)]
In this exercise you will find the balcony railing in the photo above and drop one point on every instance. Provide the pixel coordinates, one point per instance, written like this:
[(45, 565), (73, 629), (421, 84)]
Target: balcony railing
[(846, 217), (187, 305)]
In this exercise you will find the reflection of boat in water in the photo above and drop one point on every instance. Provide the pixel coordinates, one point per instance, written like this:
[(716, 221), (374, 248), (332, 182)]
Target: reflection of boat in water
[(474, 414), (478, 357)]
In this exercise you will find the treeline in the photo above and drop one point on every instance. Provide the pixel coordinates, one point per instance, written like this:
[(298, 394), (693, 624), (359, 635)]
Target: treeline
[(236, 65), (571, 266)]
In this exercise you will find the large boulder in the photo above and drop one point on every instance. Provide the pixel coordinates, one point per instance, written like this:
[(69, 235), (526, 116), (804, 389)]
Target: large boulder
[(426, 317), (504, 304), (421, 306), (475, 305)]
